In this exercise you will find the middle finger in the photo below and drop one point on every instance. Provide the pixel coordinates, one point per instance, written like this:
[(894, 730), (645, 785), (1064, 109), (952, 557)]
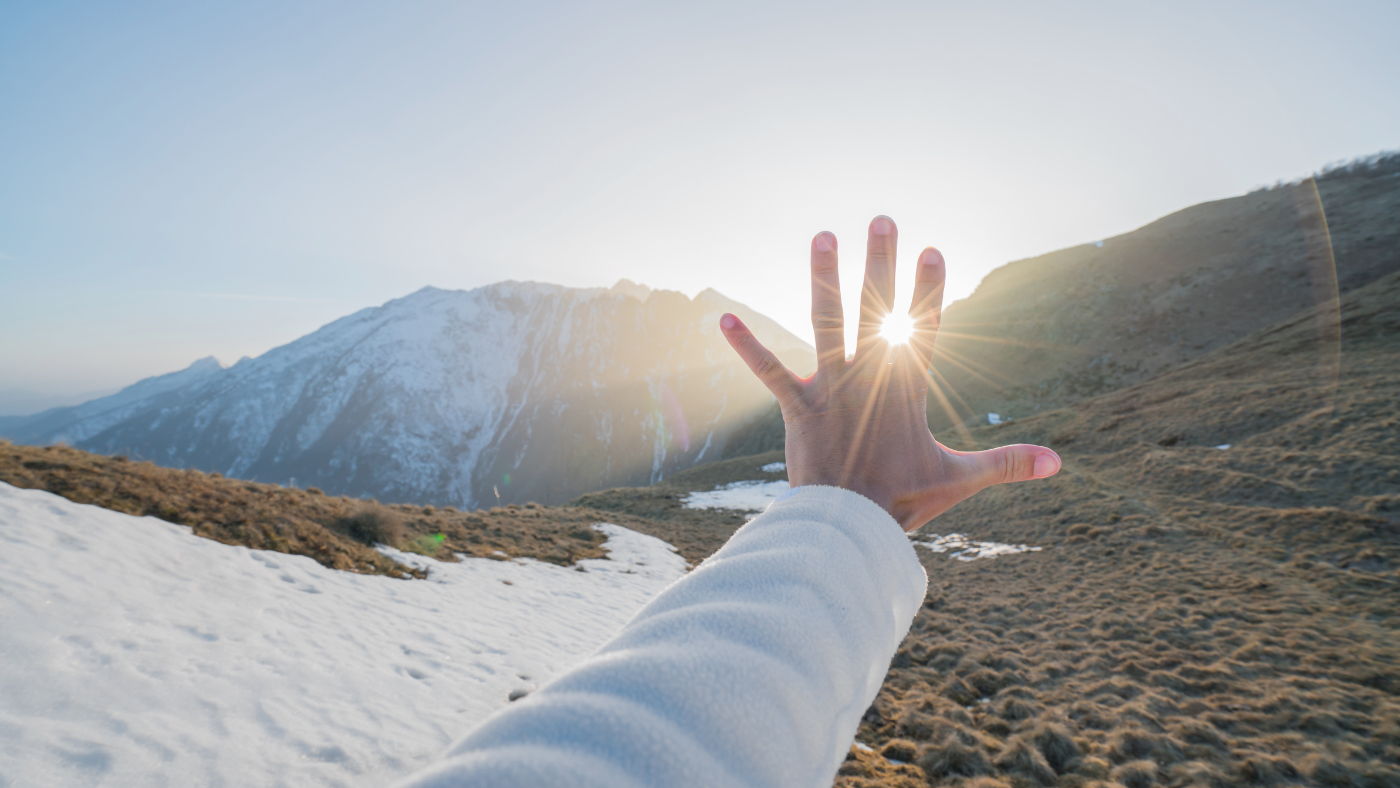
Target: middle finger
[(877, 291)]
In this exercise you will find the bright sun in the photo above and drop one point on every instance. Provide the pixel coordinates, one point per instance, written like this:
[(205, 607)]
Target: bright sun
[(897, 328)]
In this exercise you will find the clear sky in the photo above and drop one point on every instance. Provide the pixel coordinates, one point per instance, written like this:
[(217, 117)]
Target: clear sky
[(186, 179)]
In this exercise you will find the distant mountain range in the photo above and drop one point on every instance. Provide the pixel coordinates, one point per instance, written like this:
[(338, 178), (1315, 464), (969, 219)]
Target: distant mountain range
[(515, 392), (24, 402)]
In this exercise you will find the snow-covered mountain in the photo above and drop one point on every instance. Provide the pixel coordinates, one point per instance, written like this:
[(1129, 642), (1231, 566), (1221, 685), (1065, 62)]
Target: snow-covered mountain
[(526, 390)]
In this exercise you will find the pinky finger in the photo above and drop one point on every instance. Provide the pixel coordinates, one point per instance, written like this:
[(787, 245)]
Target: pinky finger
[(765, 366)]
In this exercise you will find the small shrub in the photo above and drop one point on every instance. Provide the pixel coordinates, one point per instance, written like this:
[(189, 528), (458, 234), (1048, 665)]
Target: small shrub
[(372, 526), (314, 490)]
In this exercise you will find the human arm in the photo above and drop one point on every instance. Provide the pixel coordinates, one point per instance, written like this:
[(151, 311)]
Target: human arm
[(753, 670)]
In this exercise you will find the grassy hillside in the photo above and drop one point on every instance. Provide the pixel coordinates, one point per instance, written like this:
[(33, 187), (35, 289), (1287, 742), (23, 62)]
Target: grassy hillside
[(1048, 331), (335, 531)]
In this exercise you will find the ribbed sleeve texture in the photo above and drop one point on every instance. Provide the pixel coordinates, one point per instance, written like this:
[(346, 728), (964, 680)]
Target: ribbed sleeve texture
[(753, 670)]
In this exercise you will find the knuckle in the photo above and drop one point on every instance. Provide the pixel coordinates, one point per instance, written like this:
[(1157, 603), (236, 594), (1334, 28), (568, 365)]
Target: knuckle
[(765, 365), (826, 317), (1002, 467), (1011, 466)]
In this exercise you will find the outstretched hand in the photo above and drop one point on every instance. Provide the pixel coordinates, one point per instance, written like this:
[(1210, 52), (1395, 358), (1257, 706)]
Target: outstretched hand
[(861, 423)]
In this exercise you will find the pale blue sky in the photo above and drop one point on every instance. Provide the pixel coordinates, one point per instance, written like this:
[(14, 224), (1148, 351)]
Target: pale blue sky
[(179, 180)]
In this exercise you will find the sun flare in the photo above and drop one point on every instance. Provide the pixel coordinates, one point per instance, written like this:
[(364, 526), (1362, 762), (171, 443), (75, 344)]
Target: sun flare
[(897, 328)]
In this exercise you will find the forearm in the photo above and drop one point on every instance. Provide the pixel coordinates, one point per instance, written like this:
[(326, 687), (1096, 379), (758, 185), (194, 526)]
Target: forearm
[(752, 670)]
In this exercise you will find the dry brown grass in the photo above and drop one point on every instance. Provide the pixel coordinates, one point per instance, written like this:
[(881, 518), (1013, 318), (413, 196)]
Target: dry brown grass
[(337, 532), (1198, 617)]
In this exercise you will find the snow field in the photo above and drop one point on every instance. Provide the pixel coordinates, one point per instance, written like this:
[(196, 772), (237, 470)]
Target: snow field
[(134, 653)]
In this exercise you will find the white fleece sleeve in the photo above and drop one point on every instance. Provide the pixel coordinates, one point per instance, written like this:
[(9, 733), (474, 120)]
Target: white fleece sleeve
[(753, 670)]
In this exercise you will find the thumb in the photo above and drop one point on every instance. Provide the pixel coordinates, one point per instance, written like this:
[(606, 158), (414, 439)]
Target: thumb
[(1018, 462)]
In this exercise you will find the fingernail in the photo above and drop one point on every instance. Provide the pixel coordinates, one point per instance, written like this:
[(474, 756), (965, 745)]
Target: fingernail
[(729, 321), (824, 242), (1046, 465), (931, 256), (882, 225)]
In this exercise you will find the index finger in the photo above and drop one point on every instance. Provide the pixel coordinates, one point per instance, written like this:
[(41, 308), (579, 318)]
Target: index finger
[(828, 323)]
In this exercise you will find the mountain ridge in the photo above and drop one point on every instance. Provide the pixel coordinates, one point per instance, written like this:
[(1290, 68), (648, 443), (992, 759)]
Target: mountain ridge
[(437, 396)]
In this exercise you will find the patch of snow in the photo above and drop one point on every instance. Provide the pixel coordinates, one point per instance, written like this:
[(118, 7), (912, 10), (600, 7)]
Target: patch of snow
[(753, 496), (135, 653), (863, 747), (1223, 446), (774, 467), (993, 418), (965, 549)]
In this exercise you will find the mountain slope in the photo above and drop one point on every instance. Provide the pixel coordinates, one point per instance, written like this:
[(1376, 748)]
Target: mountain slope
[(1047, 331), (523, 390)]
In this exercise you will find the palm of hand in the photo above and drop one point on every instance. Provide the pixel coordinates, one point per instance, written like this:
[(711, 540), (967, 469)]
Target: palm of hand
[(861, 422)]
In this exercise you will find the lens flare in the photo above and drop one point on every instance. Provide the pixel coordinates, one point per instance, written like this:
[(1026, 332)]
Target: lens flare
[(897, 328)]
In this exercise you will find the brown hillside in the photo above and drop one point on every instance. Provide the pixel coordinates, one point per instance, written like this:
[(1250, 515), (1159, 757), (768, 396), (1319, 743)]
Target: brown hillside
[(335, 531), (1198, 616), (1048, 331)]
